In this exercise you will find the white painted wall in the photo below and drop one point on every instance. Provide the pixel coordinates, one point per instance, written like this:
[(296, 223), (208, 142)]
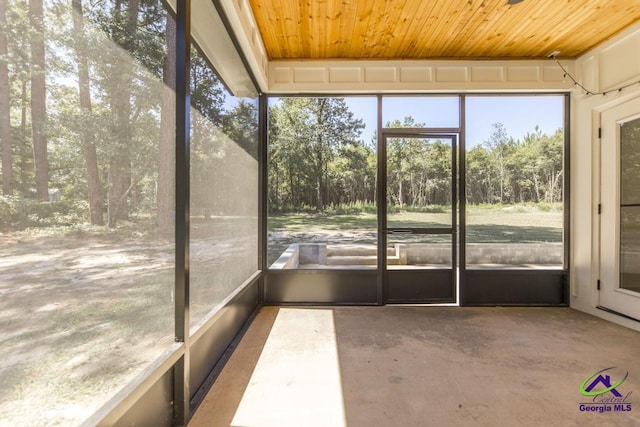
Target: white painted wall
[(611, 65)]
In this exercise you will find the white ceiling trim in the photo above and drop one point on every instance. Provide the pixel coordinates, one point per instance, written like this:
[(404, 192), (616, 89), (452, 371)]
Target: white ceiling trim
[(417, 76)]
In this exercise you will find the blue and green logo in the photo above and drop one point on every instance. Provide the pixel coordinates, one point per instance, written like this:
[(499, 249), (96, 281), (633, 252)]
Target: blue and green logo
[(587, 387), (604, 393)]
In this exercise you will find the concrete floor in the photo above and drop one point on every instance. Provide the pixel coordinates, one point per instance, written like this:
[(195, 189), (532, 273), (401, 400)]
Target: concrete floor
[(423, 366)]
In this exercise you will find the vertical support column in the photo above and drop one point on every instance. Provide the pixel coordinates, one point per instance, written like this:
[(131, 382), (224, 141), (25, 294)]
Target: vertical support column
[(183, 125), (454, 214), (381, 200), (263, 177), (566, 198), (462, 194)]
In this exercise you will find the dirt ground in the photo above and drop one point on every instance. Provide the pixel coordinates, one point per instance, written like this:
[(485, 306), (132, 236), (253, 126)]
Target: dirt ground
[(82, 315), (79, 318)]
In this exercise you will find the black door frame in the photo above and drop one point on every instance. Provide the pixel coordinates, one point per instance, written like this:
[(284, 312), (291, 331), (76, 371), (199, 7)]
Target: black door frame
[(404, 286)]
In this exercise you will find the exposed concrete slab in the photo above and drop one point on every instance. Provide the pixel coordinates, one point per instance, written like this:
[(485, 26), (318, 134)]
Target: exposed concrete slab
[(420, 366)]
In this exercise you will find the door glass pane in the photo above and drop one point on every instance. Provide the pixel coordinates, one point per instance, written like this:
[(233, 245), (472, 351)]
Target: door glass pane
[(418, 251), (630, 205), (419, 182)]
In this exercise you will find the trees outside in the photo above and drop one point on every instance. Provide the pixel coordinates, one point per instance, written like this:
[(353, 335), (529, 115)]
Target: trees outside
[(307, 137), (39, 99), (508, 171), (87, 134), (87, 114), (167, 147), (313, 165)]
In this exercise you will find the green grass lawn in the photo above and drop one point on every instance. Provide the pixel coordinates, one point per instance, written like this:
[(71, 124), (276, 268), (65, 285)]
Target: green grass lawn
[(499, 224), (485, 224)]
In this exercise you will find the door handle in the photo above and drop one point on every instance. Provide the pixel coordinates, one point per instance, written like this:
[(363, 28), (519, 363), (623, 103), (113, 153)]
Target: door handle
[(400, 231)]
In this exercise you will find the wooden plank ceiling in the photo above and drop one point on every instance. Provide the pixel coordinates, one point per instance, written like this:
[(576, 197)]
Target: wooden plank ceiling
[(427, 29)]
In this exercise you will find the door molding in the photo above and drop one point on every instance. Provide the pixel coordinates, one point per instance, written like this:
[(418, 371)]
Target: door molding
[(610, 297)]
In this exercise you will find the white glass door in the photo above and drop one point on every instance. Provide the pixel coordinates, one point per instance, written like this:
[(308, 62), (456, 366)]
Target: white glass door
[(620, 209)]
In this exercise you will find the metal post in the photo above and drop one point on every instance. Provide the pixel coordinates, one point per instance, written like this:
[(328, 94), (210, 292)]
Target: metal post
[(262, 194), (462, 194), (382, 209), (566, 195), (183, 103)]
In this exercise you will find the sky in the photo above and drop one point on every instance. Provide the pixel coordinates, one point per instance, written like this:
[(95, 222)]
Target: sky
[(518, 114)]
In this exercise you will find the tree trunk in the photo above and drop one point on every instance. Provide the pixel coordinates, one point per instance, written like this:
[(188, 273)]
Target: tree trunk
[(120, 162), (319, 203), (319, 154), (167, 148), (87, 134), (23, 157), (38, 100), (5, 113)]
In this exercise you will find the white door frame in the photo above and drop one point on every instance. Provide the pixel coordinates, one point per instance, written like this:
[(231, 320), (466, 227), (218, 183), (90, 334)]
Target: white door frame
[(611, 296)]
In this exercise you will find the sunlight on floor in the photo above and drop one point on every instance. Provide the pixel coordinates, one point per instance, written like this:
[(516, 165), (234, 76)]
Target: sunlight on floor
[(297, 378)]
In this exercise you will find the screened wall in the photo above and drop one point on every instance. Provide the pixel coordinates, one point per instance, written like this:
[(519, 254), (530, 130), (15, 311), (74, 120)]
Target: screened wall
[(475, 182), (93, 271)]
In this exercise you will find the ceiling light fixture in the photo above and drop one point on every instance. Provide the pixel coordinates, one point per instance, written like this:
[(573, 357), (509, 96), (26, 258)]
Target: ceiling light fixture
[(512, 2)]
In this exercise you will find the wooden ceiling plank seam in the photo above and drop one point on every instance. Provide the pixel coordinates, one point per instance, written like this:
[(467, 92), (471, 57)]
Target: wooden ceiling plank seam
[(347, 27), (335, 13), (316, 23), (279, 32), (600, 27), (473, 9), (295, 40), (332, 28), (451, 29), (478, 33), (277, 28), (420, 26), (382, 29), (364, 10), (511, 18), (576, 30), (268, 37), (556, 24), (372, 36), (460, 28), (417, 14), (443, 12), (301, 27), (491, 36), (427, 38), (596, 42), (391, 29), (516, 30), (428, 27)]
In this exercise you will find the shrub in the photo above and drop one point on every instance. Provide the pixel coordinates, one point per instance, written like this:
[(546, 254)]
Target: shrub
[(17, 213)]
